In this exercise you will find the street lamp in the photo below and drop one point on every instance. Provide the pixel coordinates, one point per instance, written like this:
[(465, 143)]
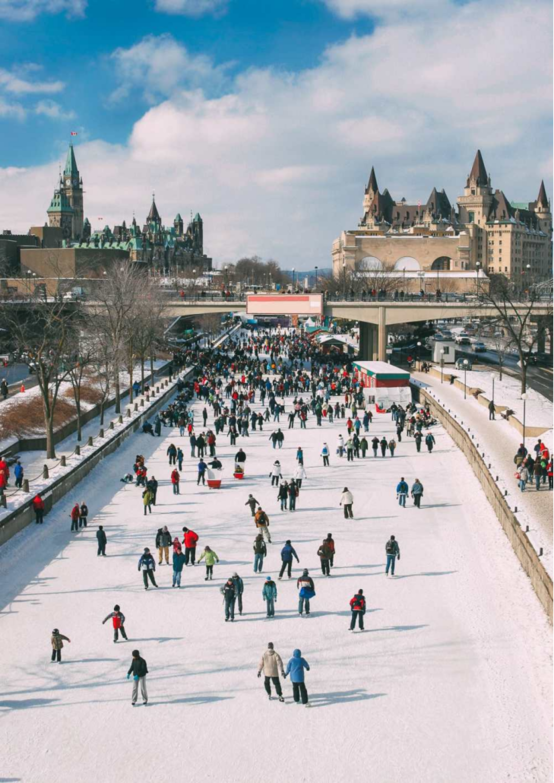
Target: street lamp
[(465, 363), (419, 351), (442, 363), (316, 277), (524, 398), (293, 280), (478, 268), (344, 278)]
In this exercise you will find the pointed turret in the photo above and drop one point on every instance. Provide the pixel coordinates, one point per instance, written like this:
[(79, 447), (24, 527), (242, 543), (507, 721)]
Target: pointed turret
[(71, 169), (542, 201), (153, 215), (478, 173), (372, 182)]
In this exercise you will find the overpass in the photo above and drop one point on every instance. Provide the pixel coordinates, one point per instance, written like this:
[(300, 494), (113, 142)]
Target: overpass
[(374, 317)]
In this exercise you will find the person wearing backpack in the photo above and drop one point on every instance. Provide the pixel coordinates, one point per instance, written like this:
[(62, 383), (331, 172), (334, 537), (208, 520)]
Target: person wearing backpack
[(324, 554), (331, 547), (392, 551), (357, 606), (402, 490), (260, 551), (305, 584), (118, 621), (272, 665), (269, 593)]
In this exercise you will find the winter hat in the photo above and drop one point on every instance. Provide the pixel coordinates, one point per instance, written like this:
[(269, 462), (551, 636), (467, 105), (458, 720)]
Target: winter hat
[(360, 592), (270, 645), (268, 579), (345, 489), (146, 550), (116, 608), (392, 538), (235, 575), (135, 654), (287, 541), (185, 529), (305, 571), (55, 630)]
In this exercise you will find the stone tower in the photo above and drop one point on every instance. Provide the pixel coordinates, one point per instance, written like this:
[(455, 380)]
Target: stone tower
[(61, 214), (475, 204), (72, 188), (542, 211)]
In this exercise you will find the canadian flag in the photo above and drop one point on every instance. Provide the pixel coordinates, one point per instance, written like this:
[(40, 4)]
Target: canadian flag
[(74, 133)]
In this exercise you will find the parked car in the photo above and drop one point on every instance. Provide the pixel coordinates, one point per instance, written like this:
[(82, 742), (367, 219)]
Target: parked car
[(479, 347)]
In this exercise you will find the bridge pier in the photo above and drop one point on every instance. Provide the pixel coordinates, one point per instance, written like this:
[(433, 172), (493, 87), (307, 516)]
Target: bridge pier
[(382, 353), (368, 341)]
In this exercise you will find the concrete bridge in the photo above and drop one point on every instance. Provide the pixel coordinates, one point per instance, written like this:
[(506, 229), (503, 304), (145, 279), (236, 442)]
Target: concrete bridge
[(373, 317)]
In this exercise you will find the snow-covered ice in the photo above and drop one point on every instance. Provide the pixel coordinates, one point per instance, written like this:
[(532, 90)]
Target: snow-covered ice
[(450, 682)]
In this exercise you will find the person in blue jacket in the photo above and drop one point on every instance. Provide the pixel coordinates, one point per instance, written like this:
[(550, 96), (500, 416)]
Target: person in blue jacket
[(147, 565), (18, 473), (402, 490), (295, 668), (287, 553), (269, 593)]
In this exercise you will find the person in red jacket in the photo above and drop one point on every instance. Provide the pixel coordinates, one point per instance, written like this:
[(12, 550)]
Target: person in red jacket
[(118, 620), (38, 505), (175, 476), (75, 514), (357, 605), (190, 540)]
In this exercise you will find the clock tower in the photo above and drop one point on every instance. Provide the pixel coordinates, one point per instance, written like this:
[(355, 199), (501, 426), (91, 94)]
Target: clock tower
[(72, 188)]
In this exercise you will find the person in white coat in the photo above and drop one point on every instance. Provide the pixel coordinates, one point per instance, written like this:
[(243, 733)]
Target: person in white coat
[(346, 501), (276, 474), (300, 475)]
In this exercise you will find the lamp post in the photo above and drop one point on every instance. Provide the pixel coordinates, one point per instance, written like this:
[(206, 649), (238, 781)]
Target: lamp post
[(465, 363), (478, 268), (344, 279), (419, 351), (442, 363), (524, 398), (316, 277), (293, 280), (528, 280)]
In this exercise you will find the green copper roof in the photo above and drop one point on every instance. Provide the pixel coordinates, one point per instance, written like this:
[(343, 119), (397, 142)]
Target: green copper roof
[(178, 218), (71, 169), (60, 203), (519, 205), (197, 218)]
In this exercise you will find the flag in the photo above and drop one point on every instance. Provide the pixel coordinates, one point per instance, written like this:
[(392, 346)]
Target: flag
[(74, 133)]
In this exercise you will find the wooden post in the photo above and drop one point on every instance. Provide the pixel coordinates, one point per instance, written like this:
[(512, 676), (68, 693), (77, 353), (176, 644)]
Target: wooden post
[(25, 485), (63, 461), (45, 473), (90, 441), (101, 433), (111, 425), (78, 451)]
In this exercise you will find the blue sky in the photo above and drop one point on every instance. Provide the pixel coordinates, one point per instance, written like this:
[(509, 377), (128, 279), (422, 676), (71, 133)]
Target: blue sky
[(266, 116), (285, 34)]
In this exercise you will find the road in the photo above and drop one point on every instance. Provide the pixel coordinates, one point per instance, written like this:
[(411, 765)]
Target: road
[(538, 378)]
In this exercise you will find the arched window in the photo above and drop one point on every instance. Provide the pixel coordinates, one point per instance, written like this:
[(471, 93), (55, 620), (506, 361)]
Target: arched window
[(442, 263), (370, 263), (408, 263)]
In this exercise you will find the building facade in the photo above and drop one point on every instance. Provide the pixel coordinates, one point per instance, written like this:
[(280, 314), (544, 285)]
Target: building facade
[(485, 235)]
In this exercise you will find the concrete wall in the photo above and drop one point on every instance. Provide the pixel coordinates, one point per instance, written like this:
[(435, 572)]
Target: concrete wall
[(525, 552)]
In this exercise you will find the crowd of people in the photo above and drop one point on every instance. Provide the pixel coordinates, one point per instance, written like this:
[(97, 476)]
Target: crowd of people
[(253, 381)]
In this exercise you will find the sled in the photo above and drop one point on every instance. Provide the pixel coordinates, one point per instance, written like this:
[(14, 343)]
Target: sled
[(214, 483), (238, 475)]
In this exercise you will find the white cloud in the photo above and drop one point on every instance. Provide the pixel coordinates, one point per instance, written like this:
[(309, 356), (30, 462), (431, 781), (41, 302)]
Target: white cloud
[(27, 10), (350, 9), (157, 65), (12, 82), (53, 110), (191, 7), (11, 109), (277, 164)]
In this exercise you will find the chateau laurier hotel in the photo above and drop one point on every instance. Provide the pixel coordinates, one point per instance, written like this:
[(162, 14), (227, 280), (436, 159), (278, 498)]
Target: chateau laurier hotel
[(433, 241)]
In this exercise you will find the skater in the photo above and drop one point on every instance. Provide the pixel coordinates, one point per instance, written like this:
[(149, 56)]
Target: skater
[(118, 621), (375, 445), (292, 491), (275, 474), (262, 523), (75, 517), (211, 558), (357, 606), (175, 477), (272, 665), (139, 670), (325, 455), (417, 492), (239, 590), (38, 506), (260, 551), (190, 539), (305, 584), (229, 598), (287, 553), (83, 514), (392, 446), (324, 555), (402, 490), (18, 472), (492, 411), (147, 565), (384, 446), (269, 593), (180, 457), (57, 645), (252, 502), (392, 551), (178, 563), (429, 442), (152, 485), (102, 541), (283, 494), (300, 475), (202, 468), (164, 540), (147, 498), (331, 546), (295, 668), (172, 454), (346, 501)]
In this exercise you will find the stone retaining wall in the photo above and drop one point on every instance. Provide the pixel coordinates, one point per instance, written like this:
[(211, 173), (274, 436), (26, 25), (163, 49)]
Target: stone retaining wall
[(525, 552)]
